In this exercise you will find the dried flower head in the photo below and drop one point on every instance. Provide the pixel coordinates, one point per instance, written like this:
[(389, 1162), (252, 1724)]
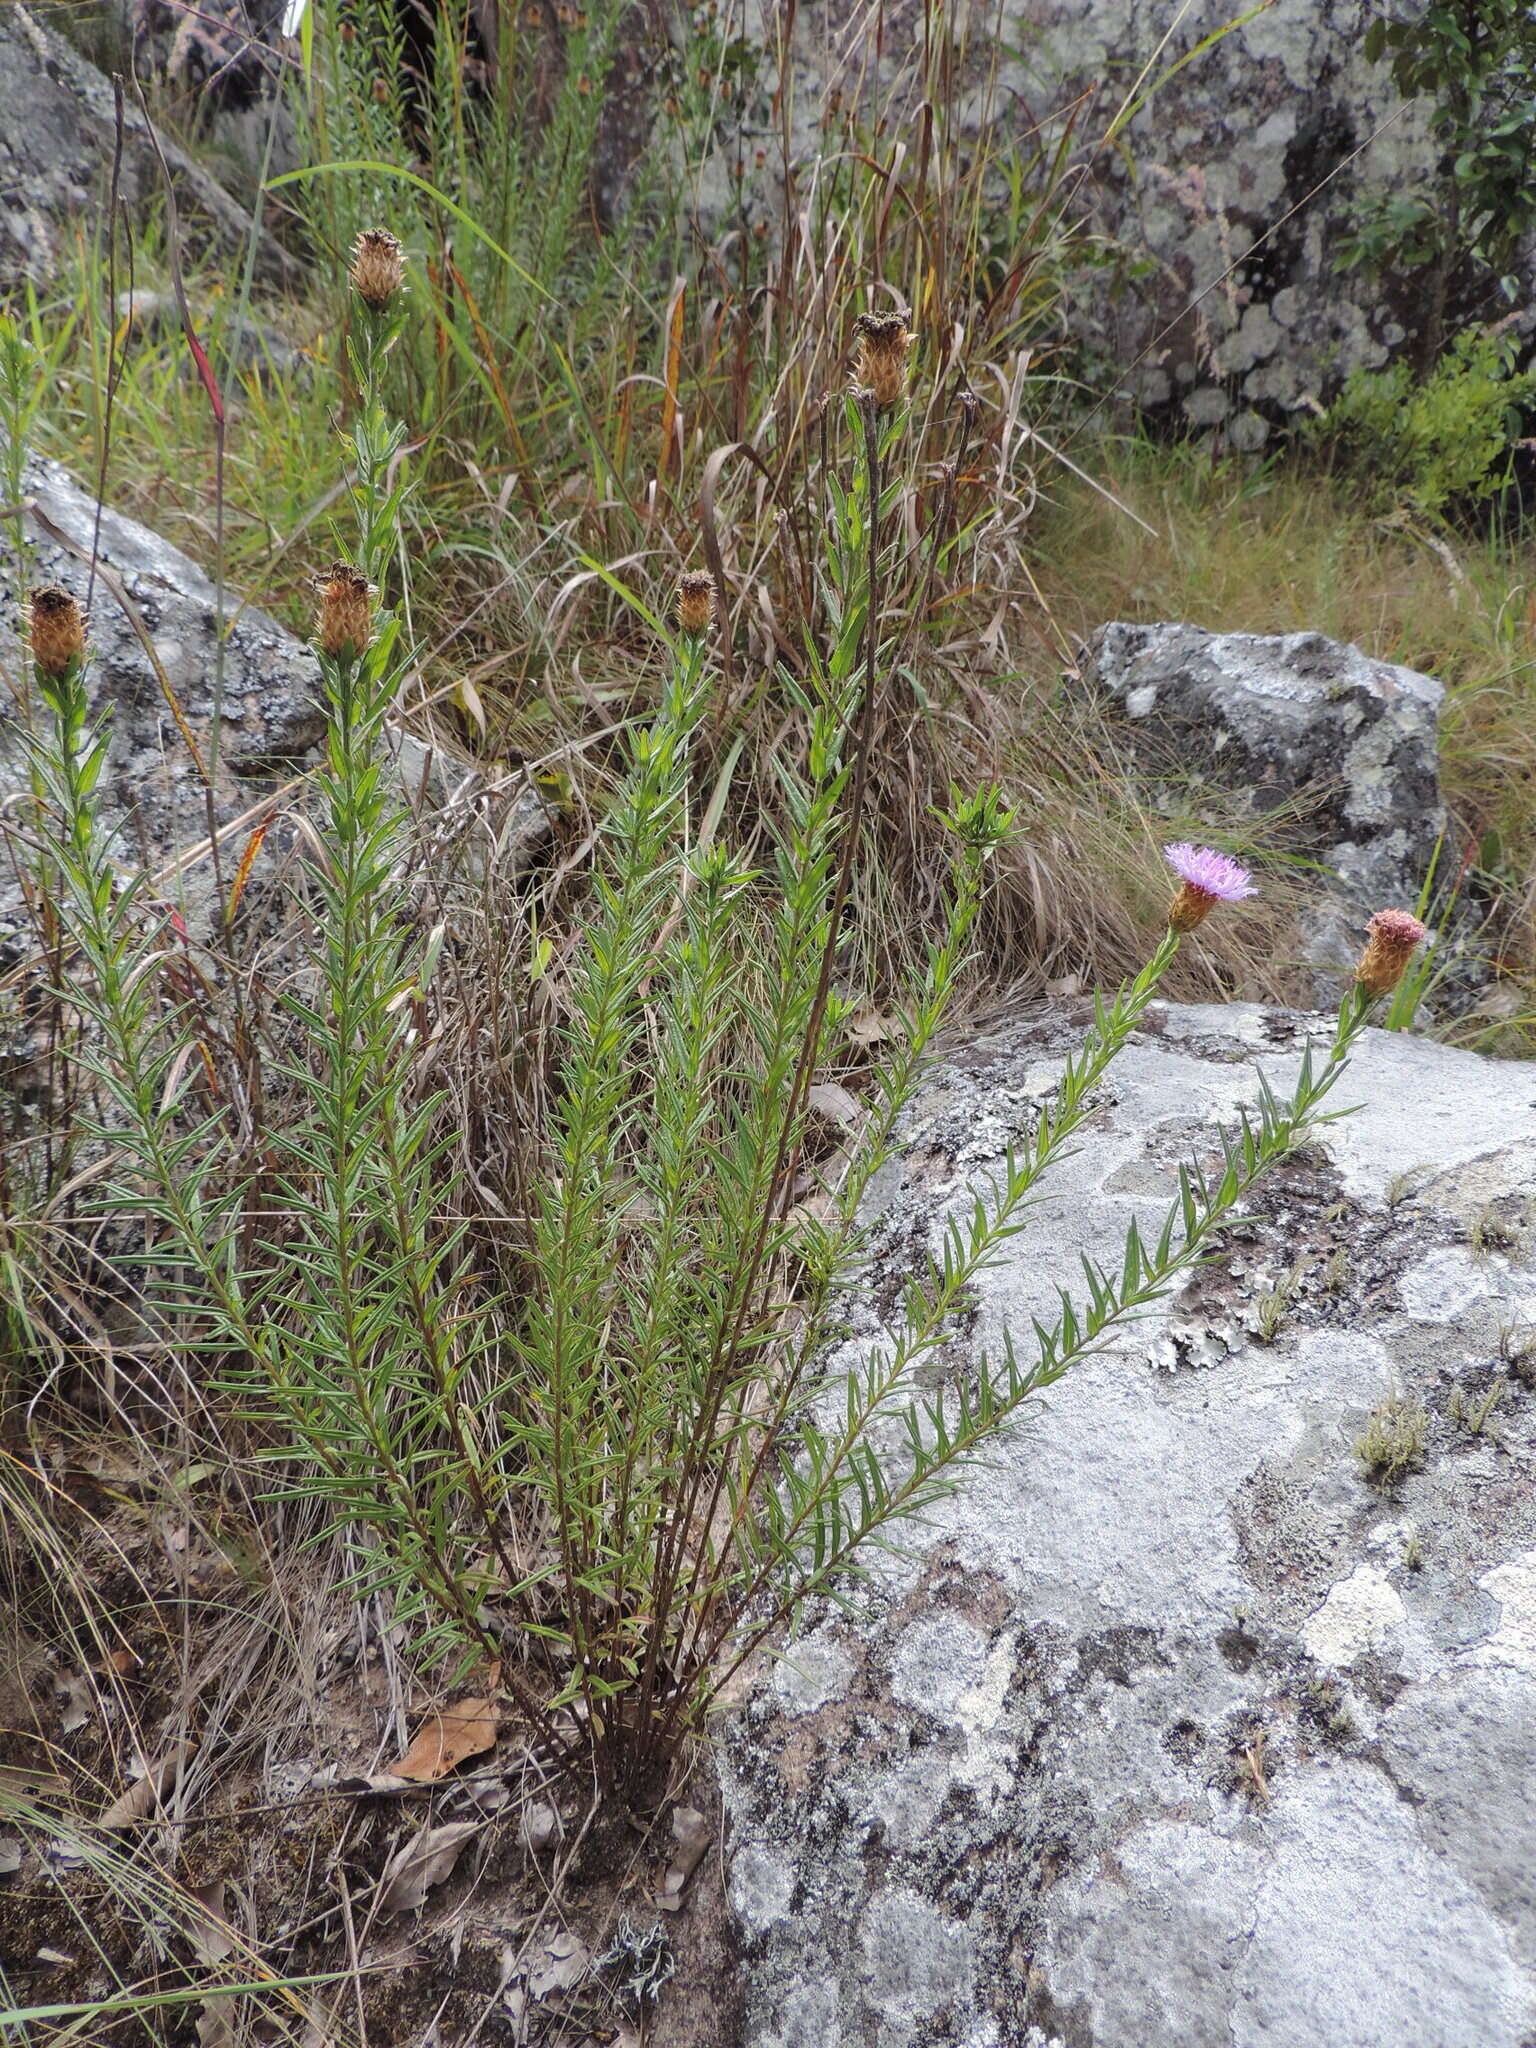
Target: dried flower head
[(58, 630), (695, 601), (880, 365), (1392, 936), (343, 625), (378, 268), (1208, 878)]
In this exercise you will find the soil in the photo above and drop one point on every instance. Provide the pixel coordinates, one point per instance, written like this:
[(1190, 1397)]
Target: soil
[(152, 1620)]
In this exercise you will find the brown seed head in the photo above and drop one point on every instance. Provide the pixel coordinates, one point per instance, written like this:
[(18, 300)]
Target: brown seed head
[(378, 268), (343, 626), (695, 602), (1392, 936), (880, 366), (58, 630)]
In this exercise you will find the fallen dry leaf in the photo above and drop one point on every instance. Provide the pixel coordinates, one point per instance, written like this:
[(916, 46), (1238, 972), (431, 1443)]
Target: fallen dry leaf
[(868, 1027), (562, 1963), (142, 1798), (515, 2002), (833, 1101), (444, 1740), (486, 1795), (691, 1836), (210, 1934), (10, 1855), (78, 1701), (216, 2027), (426, 1860)]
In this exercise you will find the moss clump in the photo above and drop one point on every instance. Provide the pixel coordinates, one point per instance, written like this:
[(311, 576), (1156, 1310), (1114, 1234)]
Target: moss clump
[(1392, 1442), (1325, 1704)]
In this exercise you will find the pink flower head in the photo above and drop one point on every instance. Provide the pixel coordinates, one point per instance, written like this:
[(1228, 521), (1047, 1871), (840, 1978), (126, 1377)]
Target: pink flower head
[(1391, 937), (1208, 878)]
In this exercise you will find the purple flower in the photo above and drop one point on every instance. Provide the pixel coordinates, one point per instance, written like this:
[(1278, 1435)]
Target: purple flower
[(1209, 878), (1212, 873)]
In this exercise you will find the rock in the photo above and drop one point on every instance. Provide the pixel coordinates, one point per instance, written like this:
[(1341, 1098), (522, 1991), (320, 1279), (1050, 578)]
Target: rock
[(272, 721), (1219, 213), (1293, 721), (56, 165), (249, 346), (1235, 188), (1172, 1729), (153, 789)]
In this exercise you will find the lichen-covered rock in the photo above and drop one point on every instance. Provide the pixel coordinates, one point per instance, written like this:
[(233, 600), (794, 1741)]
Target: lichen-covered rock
[(1246, 143), (1292, 722), (56, 164), (1238, 182), (1176, 1729), (153, 792)]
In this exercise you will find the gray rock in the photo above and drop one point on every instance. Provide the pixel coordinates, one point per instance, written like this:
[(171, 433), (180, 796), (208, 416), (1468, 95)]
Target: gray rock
[(153, 793), (1292, 721), (1172, 1730), (1223, 206), (56, 165), (247, 346)]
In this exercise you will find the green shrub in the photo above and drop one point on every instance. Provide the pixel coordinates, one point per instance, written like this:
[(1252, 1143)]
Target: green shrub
[(1476, 59), (1439, 441)]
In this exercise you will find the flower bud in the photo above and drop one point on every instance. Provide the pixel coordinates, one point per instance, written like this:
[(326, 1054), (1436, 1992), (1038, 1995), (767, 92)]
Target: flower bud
[(695, 602), (1392, 937), (343, 625), (58, 630), (880, 366), (378, 268)]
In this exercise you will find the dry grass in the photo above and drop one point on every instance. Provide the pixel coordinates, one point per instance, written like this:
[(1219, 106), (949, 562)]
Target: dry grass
[(1283, 547)]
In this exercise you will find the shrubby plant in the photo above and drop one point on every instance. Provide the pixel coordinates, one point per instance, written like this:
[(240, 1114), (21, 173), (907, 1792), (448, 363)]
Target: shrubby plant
[(616, 1480), (1476, 61), (1445, 440)]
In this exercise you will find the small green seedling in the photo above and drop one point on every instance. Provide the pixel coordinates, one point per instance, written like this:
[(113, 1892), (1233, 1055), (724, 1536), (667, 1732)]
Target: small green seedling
[(1327, 1704), (1517, 1348), (1271, 1306)]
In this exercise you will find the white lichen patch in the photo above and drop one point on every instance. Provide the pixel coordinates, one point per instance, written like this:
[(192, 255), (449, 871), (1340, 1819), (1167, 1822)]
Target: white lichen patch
[(762, 1887), (938, 1660), (1449, 1282), (812, 1671), (1362, 1612), (1513, 1641)]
